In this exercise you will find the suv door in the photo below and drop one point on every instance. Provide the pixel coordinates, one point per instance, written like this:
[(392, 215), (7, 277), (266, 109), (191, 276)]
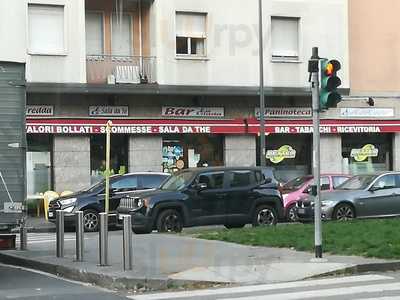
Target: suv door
[(241, 195), (120, 187), (381, 199), (210, 203)]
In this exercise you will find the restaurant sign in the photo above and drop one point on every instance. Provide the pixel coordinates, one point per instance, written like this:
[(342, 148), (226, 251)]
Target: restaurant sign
[(192, 112), (285, 112), (39, 110), (108, 111)]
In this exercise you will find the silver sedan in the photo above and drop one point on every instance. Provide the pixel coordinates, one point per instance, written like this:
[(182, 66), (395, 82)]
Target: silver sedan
[(362, 196)]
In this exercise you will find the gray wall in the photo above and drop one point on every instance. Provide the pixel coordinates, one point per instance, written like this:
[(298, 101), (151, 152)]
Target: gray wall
[(331, 153), (240, 150), (71, 163), (145, 153)]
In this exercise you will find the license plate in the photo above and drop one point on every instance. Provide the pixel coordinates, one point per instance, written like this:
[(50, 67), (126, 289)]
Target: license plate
[(121, 216), (301, 211), (50, 214)]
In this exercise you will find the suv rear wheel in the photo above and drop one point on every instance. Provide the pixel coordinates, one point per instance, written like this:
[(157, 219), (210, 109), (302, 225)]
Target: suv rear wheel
[(264, 215), (169, 220)]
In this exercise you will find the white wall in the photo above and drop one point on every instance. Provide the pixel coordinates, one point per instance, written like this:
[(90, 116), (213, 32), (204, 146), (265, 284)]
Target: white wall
[(12, 31), (233, 41), (71, 67)]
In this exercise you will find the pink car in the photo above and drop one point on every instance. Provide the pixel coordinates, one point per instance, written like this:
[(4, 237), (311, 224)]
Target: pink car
[(300, 187)]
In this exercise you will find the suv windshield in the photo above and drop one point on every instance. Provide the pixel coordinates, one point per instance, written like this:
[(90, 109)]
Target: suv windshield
[(296, 183), (358, 182), (177, 182)]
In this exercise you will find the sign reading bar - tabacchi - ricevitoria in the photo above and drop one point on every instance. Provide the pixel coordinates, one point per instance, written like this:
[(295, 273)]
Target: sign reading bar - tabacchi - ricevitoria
[(39, 110), (285, 112), (192, 112), (108, 111)]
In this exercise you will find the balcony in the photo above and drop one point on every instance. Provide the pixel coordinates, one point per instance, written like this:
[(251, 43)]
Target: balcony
[(112, 69)]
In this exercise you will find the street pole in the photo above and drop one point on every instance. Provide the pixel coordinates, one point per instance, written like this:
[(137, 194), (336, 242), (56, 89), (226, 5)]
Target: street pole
[(108, 143), (262, 99), (316, 189)]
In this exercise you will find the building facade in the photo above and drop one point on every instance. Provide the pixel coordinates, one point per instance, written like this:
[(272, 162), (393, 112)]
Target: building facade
[(179, 80)]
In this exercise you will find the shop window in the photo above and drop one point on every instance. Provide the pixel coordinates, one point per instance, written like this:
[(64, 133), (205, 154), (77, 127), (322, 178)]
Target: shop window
[(39, 164), (118, 156), (190, 34), (191, 151), (366, 153)]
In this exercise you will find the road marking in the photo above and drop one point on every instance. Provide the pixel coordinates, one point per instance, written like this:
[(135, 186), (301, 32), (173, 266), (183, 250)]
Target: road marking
[(38, 238), (263, 287), (322, 293)]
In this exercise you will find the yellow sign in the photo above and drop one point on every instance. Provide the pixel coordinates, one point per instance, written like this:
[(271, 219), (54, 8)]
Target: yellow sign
[(284, 152), (362, 154)]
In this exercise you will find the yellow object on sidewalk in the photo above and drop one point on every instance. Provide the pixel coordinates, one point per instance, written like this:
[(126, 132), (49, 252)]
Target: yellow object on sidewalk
[(47, 197)]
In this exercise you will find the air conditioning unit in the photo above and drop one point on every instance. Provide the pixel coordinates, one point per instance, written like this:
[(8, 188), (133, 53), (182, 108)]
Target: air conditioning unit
[(126, 74)]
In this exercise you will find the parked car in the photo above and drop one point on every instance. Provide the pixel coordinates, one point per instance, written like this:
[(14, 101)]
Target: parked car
[(300, 187), (91, 200), (362, 196), (232, 197)]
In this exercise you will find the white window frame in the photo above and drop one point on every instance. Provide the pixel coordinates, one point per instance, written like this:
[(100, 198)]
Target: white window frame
[(189, 38), (286, 58), (132, 29), (104, 28), (64, 51)]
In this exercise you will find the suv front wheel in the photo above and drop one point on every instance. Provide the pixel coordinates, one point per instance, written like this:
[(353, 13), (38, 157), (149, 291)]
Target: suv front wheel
[(264, 215), (169, 220)]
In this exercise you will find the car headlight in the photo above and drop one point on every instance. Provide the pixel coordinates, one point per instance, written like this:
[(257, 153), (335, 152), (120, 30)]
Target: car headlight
[(327, 203), (68, 201)]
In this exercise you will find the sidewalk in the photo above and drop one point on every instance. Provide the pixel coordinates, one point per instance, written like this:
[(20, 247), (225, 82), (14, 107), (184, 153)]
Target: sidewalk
[(164, 261)]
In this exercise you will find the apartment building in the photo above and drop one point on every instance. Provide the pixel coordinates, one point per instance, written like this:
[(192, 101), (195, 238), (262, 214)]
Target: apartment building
[(179, 80)]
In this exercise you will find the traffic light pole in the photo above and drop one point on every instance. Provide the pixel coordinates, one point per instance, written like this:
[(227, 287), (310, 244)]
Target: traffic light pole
[(316, 189)]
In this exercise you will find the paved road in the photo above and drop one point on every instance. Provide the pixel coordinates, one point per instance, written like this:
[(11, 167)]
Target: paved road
[(376, 287), (19, 284)]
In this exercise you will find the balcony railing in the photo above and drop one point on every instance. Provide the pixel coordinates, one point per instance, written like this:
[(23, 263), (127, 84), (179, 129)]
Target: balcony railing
[(112, 69)]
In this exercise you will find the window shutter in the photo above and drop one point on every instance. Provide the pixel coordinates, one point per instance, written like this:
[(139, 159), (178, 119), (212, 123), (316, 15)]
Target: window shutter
[(94, 33), (285, 36), (190, 24), (121, 40), (46, 29)]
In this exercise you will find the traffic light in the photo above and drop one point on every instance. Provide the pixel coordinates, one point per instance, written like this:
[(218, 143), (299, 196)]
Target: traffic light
[(329, 96)]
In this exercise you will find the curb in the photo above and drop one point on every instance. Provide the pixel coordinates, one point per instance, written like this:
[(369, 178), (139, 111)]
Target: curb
[(109, 282), (363, 268)]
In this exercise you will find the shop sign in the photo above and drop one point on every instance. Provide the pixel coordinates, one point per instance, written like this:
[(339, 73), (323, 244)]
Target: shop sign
[(112, 111), (39, 110), (365, 112), (285, 112), (284, 152), (192, 112), (362, 154)]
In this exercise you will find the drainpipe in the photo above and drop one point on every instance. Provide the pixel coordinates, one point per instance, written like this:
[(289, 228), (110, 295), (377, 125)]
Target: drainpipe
[(141, 65)]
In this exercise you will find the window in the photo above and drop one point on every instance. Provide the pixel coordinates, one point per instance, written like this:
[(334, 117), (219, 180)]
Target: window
[(190, 34), (241, 178), (121, 35), (46, 29), (125, 184), (338, 180), (285, 38), (152, 181), (94, 33), (213, 180), (386, 182)]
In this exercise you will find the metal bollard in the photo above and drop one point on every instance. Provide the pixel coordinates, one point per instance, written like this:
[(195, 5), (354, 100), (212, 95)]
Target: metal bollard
[(60, 232), (23, 238), (127, 243), (103, 239), (79, 240)]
